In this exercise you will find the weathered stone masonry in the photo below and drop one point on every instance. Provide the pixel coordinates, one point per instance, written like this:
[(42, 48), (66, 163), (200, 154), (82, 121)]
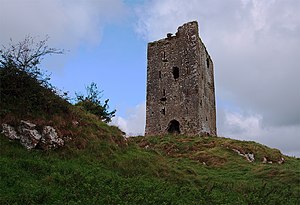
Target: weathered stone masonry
[(180, 85)]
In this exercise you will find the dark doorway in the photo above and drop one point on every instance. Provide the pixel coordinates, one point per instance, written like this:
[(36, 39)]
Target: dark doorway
[(174, 127)]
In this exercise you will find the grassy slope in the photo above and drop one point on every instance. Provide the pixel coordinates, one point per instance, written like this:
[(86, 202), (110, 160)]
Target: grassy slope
[(99, 167)]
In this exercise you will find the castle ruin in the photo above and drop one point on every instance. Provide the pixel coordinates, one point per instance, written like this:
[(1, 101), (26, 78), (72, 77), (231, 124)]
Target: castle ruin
[(180, 85)]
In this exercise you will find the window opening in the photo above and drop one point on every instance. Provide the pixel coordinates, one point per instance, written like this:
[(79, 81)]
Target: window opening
[(175, 72), (164, 57), (159, 74), (207, 62), (163, 99), (164, 92), (163, 111)]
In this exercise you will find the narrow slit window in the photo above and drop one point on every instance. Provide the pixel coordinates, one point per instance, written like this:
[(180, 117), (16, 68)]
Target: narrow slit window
[(175, 72), (164, 57), (163, 111), (207, 62), (159, 74)]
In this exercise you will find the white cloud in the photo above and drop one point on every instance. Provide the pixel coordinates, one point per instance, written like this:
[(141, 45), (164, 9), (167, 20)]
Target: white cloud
[(134, 122), (120, 122), (249, 127), (69, 24), (238, 125)]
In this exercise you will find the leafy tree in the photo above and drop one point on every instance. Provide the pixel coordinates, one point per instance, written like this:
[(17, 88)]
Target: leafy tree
[(92, 103)]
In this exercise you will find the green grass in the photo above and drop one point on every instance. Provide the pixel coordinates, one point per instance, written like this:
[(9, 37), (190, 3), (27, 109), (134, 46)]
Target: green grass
[(168, 171)]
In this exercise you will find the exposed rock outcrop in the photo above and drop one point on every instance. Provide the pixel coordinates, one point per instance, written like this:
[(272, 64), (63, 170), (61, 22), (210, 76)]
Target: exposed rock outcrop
[(267, 161), (248, 156), (30, 137), (10, 132), (50, 138)]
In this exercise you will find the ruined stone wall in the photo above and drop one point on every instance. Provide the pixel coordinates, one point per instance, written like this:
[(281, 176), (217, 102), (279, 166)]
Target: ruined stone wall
[(180, 85)]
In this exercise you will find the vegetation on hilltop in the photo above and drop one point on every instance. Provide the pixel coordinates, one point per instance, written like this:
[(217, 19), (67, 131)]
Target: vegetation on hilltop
[(25, 89), (92, 103)]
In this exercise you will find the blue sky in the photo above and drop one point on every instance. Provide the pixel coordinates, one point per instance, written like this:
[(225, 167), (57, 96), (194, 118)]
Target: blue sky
[(117, 65), (254, 45)]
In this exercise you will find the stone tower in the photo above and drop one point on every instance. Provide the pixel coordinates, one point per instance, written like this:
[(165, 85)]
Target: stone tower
[(180, 85)]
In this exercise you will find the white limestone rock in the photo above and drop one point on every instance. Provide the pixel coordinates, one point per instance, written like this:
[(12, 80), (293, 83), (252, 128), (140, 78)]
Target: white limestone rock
[(27, 124), (9, 132), (281, 161), (248, 156), (50, 139), (29, 136)]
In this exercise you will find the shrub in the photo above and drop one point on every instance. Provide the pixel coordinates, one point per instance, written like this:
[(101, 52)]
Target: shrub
[(92, 103)]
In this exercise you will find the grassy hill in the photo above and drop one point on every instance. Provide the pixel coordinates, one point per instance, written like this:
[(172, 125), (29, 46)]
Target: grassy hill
[(98, 165), (101, 168)]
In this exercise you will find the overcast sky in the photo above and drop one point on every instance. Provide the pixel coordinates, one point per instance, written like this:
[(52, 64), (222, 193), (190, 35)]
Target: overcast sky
[(255, 46)]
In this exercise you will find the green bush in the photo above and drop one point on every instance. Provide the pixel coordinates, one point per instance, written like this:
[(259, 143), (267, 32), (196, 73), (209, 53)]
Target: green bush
[(92, 103)]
